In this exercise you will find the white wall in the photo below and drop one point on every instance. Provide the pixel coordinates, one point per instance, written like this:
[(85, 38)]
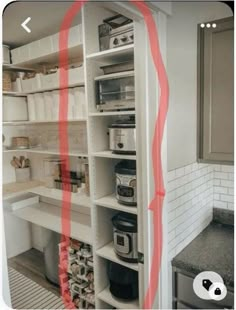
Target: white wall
[(182, 74)]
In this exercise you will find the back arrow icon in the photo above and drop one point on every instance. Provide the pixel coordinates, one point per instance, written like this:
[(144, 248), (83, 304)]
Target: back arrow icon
[(28, 19)]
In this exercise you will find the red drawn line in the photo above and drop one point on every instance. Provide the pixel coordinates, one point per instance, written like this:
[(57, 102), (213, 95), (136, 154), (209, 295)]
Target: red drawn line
[(64, 150), (156, 205)]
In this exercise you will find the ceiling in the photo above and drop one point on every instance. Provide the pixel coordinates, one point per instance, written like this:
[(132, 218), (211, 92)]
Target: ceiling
[(46, 18)]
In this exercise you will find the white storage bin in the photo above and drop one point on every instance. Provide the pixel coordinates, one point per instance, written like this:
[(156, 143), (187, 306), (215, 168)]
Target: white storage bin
[(46, 46), (14, 109), (75, 36), (32, 84), (71, 103), (39, 107), (20, 54), (48, 102), (80, 108), (55, 42), (31, 108), (56, 102), (76, 75), (34, 49), (16, 86), (50, 80)]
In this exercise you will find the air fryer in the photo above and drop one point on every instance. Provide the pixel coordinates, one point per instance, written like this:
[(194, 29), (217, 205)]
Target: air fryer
[(123, 282)]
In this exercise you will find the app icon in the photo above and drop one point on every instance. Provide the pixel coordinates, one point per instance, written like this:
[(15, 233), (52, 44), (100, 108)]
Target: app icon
[(209, 285)]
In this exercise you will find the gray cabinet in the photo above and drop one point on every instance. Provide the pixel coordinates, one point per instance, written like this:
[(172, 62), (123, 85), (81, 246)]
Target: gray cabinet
[(184, 296), (216, 92)]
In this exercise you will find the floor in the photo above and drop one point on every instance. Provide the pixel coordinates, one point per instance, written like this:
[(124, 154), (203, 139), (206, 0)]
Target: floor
[(27, 294), (31, 265)]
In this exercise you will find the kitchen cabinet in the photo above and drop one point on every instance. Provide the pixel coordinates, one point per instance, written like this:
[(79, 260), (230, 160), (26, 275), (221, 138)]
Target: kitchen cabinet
[(184, 296), (216, 92)]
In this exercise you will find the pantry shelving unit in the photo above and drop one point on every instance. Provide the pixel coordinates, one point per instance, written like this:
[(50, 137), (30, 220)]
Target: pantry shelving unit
[(19, 123), (48, 152), (102, 204)]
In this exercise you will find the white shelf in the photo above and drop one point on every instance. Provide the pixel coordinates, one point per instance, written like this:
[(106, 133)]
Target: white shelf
[(118, 54), (49, 152), (14, 189), (111, 203), (107, 297), (53, 193), (75, 52), (112, 113), (109, 154), (114, 75), (108, 252), (49, 216), (41, 90), (14, 94), (17, 123), (15, 151), (10, 67)]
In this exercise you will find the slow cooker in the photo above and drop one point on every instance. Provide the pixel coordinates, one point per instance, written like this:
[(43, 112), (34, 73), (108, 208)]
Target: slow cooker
[(123, 282), (126, 184), (125, 236), (123, 137)]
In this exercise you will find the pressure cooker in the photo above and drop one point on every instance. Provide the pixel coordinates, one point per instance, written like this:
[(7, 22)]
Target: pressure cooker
[(125, 236), (126, 185)]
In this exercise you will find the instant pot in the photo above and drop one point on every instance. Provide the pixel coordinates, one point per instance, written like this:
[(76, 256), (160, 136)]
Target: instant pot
[(125, 236), (126, 184)]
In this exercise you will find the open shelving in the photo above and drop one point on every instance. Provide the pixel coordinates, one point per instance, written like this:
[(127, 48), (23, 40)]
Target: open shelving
[(109, 154), (49, 216), (107, 251), (14, 94), (48, 152), (75, 52), (19, 123), (112, 113), (111, 202), (115, 55), (102, 205), (13, 68)]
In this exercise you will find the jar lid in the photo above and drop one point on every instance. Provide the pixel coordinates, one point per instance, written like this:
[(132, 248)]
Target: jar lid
[(127, 167)]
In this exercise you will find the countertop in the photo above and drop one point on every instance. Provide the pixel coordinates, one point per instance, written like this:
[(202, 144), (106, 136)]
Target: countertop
[(211, 250)]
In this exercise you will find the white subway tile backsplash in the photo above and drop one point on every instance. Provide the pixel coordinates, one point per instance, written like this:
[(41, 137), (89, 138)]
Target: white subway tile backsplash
[(221, 175), (225, 183), (220, 190), (227, 169), (193, 191), (227, 198), (220, 204)]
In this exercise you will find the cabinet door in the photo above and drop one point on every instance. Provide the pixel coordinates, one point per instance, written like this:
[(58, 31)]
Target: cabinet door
[(217, 91)]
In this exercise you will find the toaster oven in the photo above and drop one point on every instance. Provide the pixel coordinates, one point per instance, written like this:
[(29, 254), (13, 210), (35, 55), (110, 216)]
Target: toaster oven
[(115, 91), (116, 31)]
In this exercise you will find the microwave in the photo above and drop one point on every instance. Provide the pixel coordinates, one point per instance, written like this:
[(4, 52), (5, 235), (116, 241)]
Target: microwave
[(115, 91)]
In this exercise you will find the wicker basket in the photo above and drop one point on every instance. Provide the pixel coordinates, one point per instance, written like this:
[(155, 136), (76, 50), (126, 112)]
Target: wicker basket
[(6, 83), (20, 142)]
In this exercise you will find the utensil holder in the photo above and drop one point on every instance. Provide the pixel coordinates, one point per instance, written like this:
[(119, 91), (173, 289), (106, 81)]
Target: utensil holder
[(22, 174)]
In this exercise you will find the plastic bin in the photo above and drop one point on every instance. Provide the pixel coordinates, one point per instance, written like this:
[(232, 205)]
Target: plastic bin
[(51, 256)]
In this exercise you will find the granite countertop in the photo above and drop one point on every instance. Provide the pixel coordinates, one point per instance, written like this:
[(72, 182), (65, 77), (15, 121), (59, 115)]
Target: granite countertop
[(211, 250)]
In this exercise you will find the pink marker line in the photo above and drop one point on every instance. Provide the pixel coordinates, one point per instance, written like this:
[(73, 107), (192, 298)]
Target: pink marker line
[(64, 150), (156, 205)]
